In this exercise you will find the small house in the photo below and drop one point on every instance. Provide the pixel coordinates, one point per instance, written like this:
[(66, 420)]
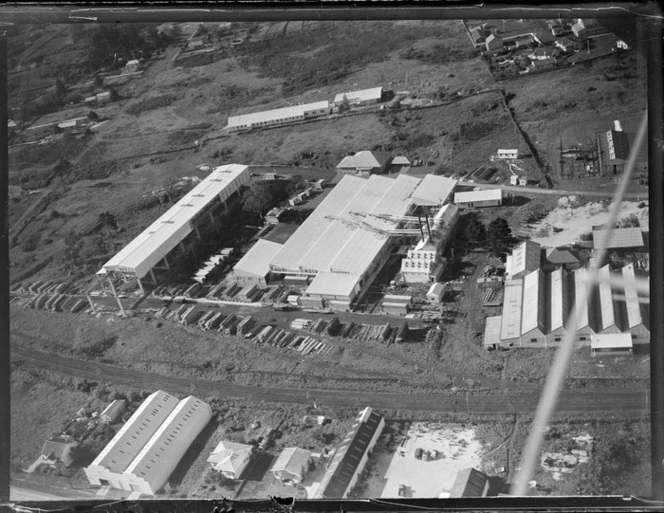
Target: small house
[(230, 458), (131, 66), (60, 449), (291, 465), (507, 154), (365, 163), (479, 35), (493, 43)]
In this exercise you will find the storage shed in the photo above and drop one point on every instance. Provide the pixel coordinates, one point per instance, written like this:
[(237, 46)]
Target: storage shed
[(479, 198), (611, 344)]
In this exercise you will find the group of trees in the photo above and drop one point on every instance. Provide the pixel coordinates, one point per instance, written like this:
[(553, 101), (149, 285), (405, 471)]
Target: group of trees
[(496, 236), (113, 45)]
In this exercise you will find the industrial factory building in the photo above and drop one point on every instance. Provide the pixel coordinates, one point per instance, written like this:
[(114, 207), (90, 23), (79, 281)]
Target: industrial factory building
[(347, 239), (147, 449), (345, 242), (277, 117), (537, 305), (171, 232)]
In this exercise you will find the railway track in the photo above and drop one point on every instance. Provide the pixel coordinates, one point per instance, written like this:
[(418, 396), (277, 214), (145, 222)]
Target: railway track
[(605, 400)]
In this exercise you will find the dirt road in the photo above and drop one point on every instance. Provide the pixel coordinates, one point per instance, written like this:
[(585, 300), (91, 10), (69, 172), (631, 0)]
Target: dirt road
[(584, 400)]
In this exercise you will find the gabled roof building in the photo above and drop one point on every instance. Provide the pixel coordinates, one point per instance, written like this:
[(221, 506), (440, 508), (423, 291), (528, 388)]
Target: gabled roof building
[(230, 458), (365, 163), (291, 465), (351, 456), (145, 451), (536, 309)]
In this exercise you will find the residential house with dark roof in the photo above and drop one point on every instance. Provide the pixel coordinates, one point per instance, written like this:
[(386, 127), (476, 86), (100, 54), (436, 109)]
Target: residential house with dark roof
[(479, 35), (493, 43), (60, 449), (351, 456)]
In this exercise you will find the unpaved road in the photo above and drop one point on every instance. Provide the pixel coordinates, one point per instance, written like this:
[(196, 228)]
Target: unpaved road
[(619, 400)]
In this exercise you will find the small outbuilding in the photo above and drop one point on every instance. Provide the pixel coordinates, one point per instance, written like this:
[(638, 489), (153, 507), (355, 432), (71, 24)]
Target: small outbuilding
[(479, 198), (113, 411), (435, 293), (60, 449), (611, 344)]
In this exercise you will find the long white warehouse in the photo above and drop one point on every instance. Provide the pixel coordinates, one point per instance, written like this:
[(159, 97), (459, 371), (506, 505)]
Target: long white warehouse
[(281, 116), (146, 450), (152, 246)]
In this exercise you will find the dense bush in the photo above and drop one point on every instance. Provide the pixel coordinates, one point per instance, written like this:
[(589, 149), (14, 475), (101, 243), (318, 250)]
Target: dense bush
[(281, 57), (155, 102), (439, 54)]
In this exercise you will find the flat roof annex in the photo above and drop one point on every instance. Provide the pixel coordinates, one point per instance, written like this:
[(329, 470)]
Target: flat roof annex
[(511, 325), (618, 238), (333, 284), (433, 190), (293, 111), (159, 239), (257, 260), (492, 330), (481, 195), (611, 341)]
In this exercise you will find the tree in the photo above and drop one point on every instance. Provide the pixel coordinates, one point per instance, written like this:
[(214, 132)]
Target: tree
[(108, 220), (499, 236), (98, 81), (115, 96), (475, 231), (258, 199), (73, 244), (60, 89), (93, 116), (345, 104), (297, 184)]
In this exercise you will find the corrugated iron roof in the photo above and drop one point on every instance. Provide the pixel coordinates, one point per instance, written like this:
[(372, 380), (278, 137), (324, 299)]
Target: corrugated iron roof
[(618, 238), (511, 325), (481, 195), (469, 483), (348, 455), (293, 111), (257, 260), (375, 93), (433, 190)]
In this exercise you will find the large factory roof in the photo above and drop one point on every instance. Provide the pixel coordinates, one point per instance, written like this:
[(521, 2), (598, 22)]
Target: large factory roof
[(340, 236), (433, 190), (158, 239)]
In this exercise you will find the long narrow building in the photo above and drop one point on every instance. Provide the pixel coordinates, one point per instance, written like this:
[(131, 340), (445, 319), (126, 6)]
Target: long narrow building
[(152, 247)]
